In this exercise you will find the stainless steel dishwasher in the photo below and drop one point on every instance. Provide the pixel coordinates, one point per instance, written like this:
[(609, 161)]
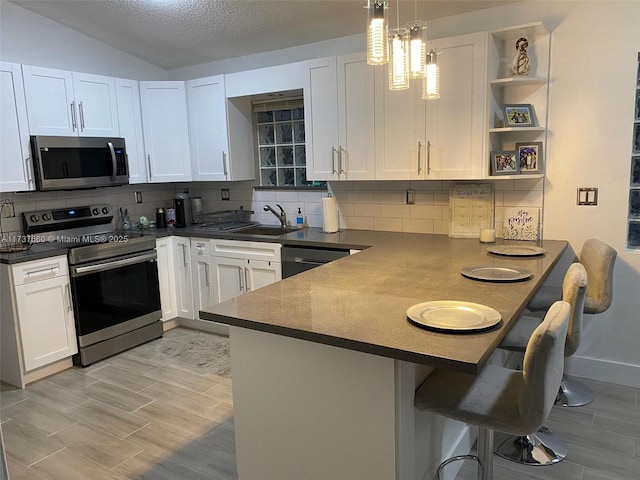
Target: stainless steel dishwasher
[(299, 259)]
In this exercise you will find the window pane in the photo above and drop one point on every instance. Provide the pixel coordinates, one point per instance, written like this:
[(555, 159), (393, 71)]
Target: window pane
[(301, 177), (283, 133), (269, 178), (267, 156), (285, 156), (282, 115), (298, 113), (301, 157), (298, 132), (265, 117), (634, 203), (286, 177), (636, 137), (633, 238), (635, 171), (265, 134)]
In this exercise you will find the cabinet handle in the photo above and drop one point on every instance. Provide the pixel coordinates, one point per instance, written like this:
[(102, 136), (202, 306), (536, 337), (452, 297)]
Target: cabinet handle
[(241, 279), (333, 160), (246, 279), (206, 275), (73, 116), (68, 292), (224, 163), (42, 271), (340, 166), (428, 157), (81, 116), (149, 164), (184, 256), (27, 162), (419, 159)]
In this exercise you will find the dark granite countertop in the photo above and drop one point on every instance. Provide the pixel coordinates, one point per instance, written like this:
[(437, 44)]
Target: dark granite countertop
[(360, 302)]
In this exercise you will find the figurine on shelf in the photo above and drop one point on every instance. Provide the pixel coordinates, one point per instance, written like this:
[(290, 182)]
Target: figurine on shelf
[(520, 65)]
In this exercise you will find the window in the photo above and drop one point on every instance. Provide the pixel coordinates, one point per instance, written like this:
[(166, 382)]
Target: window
[(281, 144), (633, 227)]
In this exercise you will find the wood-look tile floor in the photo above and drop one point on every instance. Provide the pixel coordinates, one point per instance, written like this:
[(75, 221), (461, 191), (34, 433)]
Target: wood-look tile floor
[(141, 415), (138, 415)]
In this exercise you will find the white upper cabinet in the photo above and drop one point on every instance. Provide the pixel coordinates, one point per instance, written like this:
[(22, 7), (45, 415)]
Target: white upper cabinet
[(456, 121), (220, 132), (436, 139), (166, 133), (130, 121), (339, 118), (15, 167), (70, 103)]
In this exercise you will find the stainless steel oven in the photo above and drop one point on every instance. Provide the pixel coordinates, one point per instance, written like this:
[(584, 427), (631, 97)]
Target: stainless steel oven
[(114, 279)]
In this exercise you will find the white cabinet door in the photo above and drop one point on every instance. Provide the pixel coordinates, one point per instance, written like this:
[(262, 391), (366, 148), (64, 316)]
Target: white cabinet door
[(356, 118), (45, 316), (16, 166), (208, 128), (455, 122), (166, 133), (182, 277), (130, 121), (166, 278), (400, 118), (259, 273), (228, 278), (95, 96), (50, 102), (202, 281), (321, 119)]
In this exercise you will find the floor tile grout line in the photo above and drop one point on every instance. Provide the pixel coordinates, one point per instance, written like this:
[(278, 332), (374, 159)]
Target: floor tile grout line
[(48, 456)]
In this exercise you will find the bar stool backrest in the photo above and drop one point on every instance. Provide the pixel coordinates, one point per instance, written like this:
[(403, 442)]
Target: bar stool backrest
[(574, 289), (598, 259)]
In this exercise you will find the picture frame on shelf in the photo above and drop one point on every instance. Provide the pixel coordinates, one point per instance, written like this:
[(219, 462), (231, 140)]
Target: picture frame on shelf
[(504, 162), (529, 155), (518, 115)]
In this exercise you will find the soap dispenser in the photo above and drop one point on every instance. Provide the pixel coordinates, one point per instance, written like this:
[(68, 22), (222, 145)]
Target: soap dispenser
[(299, 219)]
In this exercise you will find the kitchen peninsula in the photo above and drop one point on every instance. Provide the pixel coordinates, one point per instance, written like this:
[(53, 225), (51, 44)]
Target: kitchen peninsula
[(325, 363)]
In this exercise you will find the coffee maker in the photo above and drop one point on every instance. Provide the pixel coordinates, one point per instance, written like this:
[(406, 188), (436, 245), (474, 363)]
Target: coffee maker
[(182, 204)]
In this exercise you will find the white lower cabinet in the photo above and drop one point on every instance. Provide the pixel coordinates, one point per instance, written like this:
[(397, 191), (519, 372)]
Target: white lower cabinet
[(37, 327), (182, 277), (164, 250)]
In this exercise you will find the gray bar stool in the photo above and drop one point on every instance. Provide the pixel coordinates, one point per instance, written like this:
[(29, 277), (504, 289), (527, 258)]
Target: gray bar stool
[(511, 401), (598, 259), (545, 447)]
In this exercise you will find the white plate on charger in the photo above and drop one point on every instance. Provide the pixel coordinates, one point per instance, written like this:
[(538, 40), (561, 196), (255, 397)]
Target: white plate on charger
[(453, 316)]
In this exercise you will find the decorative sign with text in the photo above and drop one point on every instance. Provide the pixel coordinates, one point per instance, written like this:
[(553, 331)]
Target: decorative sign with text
[(521, 223)]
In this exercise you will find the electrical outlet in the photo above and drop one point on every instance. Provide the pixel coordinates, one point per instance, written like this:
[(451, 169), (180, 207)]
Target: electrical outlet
[(138, 197), (225, 193), (411, 196), (7, 209)]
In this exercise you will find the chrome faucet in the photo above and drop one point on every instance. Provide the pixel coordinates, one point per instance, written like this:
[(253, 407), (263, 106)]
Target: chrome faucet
[(280, 216)]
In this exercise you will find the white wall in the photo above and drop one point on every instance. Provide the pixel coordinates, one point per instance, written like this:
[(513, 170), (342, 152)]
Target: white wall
[(28, 38)]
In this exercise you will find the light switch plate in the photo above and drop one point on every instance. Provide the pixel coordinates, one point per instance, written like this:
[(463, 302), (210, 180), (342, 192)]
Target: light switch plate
[(138, 197), (411, 196), (587, 196), (225, 193)]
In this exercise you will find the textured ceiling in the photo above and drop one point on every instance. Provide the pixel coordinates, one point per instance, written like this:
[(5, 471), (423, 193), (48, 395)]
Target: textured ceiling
[(178, 33)]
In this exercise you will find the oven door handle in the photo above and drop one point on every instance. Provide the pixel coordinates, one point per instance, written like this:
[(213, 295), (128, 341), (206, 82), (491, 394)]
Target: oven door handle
[(110, 265)]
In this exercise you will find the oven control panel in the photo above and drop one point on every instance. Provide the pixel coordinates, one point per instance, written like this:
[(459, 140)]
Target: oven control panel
[(42, 220)]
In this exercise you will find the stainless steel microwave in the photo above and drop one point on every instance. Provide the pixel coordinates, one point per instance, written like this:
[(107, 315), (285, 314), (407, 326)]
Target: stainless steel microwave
[(69, 163)]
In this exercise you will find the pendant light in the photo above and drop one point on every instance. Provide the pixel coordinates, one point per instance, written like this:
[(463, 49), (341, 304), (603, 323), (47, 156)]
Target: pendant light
[(417, 44), (399, 59), (377, 32), (431, 80)]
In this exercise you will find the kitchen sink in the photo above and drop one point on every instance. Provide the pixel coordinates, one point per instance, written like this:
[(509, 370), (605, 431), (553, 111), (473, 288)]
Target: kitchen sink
[(266, 230)]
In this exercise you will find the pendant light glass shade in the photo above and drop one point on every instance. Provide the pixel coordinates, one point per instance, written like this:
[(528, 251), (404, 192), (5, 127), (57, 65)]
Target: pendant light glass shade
[(431, 81), (417, 48), (377, 32), (399, 59)]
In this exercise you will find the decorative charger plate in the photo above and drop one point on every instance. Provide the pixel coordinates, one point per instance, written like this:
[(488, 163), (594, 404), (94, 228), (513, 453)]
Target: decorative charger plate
[(516, 250), (492, 273), (453, 316)]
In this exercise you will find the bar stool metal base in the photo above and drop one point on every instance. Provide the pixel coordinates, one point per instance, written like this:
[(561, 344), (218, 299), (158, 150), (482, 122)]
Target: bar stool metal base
[(484, 457), (541, 448), (573, 393)]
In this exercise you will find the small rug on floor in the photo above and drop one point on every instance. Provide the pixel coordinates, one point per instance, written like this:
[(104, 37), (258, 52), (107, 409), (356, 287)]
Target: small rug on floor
[(204, 351)]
